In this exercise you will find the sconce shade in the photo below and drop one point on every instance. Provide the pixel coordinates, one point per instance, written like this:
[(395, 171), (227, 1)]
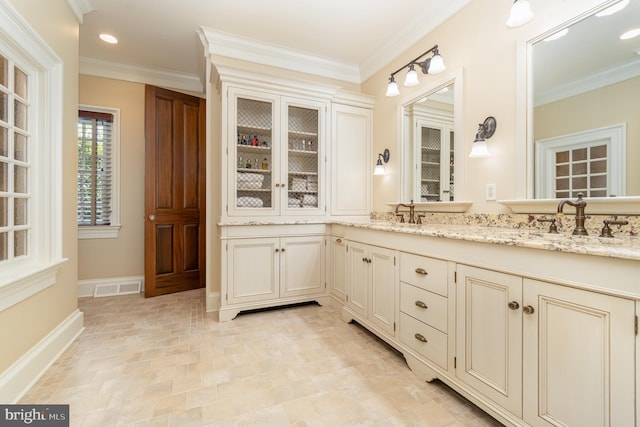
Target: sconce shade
[(437, 64), (384, 156), (392, 88), (485, 130), (520, 14), (479, 150), (412, 77), (379, 170)]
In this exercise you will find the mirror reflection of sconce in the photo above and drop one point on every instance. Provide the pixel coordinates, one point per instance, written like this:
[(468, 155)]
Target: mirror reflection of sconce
[(384, 156), (485, 131), (520, 14)]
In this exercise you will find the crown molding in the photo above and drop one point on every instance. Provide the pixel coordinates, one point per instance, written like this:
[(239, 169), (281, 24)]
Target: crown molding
[(167, 79), (595, 81), (80, 8), (411, 34), (237, 47)]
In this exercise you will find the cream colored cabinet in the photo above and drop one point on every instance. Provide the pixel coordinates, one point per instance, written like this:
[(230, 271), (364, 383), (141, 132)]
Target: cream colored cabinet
[(568, 354), (275, 147), (351, 160), (489, 334), (269, 271), (579, 357), (337, 268), (372, 277)]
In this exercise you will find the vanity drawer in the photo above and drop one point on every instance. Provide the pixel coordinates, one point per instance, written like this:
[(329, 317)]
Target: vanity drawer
[(423, 272), (427, 341), (423, 305)]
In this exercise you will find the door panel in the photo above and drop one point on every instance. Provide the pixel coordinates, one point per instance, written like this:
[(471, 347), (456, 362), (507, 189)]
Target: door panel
[(358, 278), (253, 269), (174, 191), (302, 259), (383, 285)]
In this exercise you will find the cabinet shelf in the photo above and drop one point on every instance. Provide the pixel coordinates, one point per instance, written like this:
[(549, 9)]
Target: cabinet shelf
[(253, 149), (257, 129), (302, 153), (302, 192), (251, 170), (434, 164), (300, 134), (299, 173)]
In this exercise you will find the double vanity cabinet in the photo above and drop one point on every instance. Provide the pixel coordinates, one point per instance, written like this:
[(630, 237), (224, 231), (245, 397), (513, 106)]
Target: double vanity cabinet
[(537, 337)]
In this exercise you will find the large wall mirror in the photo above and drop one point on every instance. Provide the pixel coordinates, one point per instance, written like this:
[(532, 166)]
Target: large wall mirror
[(585, 106), (429, 144)]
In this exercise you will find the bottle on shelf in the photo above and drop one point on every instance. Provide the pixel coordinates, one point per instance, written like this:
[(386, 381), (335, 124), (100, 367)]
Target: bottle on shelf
[(248, 164), (265, 164), (254, 141), (240, 162), (255, 164)]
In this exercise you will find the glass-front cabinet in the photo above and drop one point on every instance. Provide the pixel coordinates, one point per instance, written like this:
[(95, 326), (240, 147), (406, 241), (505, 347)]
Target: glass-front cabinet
[(435, 142), (277, 160)]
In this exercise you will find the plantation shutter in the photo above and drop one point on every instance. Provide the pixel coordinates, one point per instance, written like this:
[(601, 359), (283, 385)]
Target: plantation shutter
[(94, 167)]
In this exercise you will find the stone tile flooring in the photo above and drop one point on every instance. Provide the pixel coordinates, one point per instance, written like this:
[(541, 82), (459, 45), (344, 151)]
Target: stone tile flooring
[(165, 362)]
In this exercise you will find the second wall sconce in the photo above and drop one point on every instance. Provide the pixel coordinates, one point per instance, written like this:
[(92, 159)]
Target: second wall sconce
[(433, 65), (379, 170), (485, 131), (520, 14)]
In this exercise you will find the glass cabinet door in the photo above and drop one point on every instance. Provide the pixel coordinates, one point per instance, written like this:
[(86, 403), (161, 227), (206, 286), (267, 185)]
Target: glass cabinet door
[(304, 125), (436, 162), (254, 157)]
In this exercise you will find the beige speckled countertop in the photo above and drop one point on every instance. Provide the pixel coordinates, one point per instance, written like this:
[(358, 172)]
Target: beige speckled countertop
[(622, 245)]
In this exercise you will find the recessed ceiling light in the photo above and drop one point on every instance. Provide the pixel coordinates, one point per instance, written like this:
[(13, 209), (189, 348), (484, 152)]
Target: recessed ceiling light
[(108, 38), (557, 35), (613, 9), (630, 34)]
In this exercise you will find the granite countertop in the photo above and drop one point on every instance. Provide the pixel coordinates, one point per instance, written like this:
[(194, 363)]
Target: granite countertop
[(620, 246)]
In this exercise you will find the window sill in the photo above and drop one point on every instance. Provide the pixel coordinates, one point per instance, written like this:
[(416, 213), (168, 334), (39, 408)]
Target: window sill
[(24, 282), (98, 231)]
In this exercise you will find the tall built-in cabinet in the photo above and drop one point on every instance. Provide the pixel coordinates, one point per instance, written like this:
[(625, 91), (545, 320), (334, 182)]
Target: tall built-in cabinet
[(281, 177)]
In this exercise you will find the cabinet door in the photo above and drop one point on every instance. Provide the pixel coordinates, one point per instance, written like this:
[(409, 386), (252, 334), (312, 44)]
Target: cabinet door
[(351, 160), (384, 277), (489, 335), (253, 271), (303, 152), (301, 265), (338, 268), (253, 153), (578, 357), (435, 143), (358, 278)]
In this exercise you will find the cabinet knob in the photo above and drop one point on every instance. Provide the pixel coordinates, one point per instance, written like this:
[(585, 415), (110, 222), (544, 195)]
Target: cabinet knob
[(282, 250), (420, 337), (338, 240), (527, 309), (277, 250), (422, 271), (421, 304), (283, 185), (513, 305)]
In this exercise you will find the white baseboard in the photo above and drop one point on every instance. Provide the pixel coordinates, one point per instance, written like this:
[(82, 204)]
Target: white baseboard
[(110, 286), (19, 377), (213, 302)]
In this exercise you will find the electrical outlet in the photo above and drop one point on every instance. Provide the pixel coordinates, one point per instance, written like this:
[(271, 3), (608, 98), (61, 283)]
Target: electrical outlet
[(491, 192)]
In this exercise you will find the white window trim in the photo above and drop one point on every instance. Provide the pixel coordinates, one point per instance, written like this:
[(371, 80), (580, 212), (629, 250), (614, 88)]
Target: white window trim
[(21, 279), (615, 137), (107, 231)]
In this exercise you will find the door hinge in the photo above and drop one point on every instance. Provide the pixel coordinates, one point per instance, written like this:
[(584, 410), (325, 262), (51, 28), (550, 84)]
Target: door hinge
[(636, 325), (227, 151), (455, 360), (455, 277), (325, 285), (227, 295), (394, 326), (394, 260), (226, 247)]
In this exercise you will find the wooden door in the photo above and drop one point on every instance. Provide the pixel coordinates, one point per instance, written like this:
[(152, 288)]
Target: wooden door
[(489, 335), (579, 357), (174, 192)]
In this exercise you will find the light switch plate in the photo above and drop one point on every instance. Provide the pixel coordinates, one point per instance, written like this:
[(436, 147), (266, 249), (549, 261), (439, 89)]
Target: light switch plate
[(491, 192)]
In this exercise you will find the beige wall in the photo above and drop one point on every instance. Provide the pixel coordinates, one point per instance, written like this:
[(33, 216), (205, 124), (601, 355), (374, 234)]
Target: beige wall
[(476, 41), (124, 256), (610, 105), (26, 323)]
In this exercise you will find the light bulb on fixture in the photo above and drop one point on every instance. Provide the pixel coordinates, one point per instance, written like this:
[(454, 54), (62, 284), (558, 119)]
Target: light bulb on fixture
[(437, 63), (384, 156), (412, 77), (520, 14), (392, 88)]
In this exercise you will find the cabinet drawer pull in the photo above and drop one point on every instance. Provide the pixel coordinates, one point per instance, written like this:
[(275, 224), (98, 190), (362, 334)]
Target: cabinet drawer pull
[(420, 337), (338, 240), (422, 271), (527, 309), (421, 304)]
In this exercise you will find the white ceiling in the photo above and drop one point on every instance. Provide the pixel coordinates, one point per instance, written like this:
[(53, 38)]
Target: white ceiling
[(161, 35)]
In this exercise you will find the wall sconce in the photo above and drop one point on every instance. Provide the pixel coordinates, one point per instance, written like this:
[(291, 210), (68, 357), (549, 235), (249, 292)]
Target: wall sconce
[(485, 131), (379, 170), (520, 14), (433, 65)]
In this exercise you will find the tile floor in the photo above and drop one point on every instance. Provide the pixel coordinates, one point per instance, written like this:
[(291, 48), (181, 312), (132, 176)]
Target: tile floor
[(165, 362)]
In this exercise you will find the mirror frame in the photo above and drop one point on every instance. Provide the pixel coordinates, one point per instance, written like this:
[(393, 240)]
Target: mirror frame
[(525, 201), (434, 84)]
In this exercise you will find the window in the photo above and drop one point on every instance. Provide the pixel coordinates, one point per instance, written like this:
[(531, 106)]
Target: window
[(97, 173), (30, 160), (590, 162)]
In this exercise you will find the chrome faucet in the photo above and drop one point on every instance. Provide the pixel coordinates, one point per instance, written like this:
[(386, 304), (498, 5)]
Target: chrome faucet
[(412, 216), (579, 204)]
